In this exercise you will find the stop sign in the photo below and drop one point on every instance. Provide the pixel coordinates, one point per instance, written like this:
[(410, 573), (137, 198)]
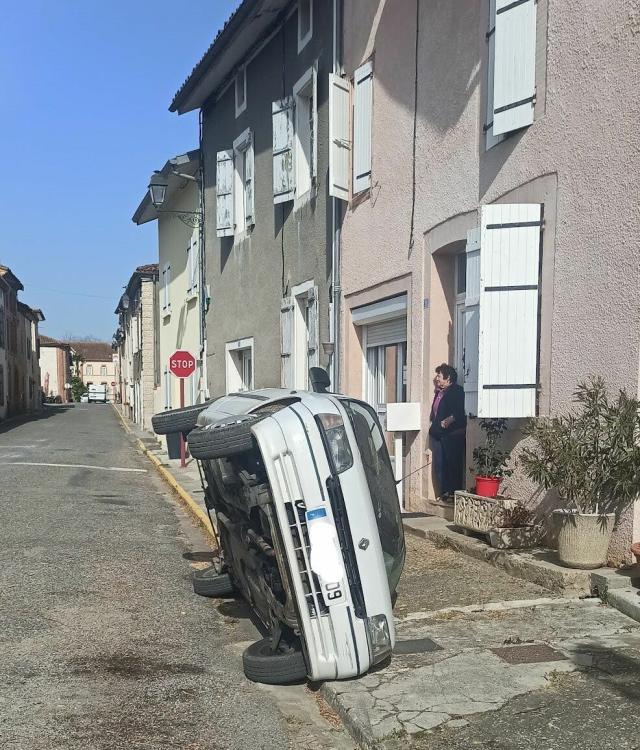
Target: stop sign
[(182, 364)]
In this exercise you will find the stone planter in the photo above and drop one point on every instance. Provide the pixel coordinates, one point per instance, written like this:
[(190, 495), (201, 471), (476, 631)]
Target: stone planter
[(583, 538), (480, 514), (514, 538)]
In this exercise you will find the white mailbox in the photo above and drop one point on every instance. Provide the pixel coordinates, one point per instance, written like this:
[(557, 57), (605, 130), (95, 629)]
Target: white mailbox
[(403, 417)]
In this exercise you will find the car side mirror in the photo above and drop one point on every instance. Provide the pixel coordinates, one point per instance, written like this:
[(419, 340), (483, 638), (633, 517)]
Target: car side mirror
[(319, 379)]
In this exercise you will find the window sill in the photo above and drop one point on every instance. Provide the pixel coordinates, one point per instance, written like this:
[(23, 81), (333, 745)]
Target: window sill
[(305, 198), (191, 296), (166, 313)]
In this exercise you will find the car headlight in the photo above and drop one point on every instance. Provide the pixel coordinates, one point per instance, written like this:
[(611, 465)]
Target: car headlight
[(337, 441), (379, 638)]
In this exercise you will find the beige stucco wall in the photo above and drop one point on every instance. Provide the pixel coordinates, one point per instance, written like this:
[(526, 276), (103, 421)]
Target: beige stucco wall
[(147, 375), (574, 158), (180, 328)]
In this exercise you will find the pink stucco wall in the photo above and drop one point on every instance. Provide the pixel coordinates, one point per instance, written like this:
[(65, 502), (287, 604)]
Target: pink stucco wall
[(576, 158)]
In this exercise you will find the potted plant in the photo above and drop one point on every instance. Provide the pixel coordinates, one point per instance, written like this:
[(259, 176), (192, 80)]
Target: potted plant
[(489, 461), (516, 528), (592, 459)]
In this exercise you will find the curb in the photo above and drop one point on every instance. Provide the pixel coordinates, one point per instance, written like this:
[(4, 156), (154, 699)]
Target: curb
[(356, 729), (192, 507)]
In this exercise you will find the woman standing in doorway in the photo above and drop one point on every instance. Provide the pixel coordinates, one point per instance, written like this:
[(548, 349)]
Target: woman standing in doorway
[(448, 432)]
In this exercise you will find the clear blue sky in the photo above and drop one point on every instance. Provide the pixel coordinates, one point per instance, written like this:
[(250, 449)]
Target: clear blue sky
[(86, 87)]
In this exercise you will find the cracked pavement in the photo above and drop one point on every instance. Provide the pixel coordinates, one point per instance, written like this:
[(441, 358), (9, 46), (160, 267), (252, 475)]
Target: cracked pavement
[(485, 658)]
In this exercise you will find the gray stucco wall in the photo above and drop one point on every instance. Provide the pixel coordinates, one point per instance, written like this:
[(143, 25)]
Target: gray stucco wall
[(576, 158), (248, 278)]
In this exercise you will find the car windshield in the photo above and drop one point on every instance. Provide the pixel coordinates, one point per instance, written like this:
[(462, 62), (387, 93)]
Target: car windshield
[(382, 485)]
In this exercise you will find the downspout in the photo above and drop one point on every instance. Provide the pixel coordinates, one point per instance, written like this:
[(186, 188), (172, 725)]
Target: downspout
[(202, 261), (336, 215)]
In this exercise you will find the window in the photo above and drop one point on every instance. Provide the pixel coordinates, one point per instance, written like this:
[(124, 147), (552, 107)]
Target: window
[(166, 289), (305, 129), (192, 267), (1, 385), (89, 370), (239, 365), (103, 370), (511, 68), (234, 187), (294, 122), (243, 182), (299, 335), (2, 323), (241, 91), (29, 346), (305, 23)]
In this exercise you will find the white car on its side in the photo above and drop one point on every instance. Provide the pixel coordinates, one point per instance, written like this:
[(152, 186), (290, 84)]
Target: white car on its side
[(309, 524)]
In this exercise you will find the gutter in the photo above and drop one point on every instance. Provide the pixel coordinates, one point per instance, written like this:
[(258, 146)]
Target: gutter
[(336, 221)]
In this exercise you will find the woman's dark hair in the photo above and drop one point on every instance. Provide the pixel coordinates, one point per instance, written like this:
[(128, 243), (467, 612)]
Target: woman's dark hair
[(448, 372)]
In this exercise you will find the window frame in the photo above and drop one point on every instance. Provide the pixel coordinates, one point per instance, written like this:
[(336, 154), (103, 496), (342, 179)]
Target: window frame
[(192, 268), (235, 364), (304, 39), (305, 90), (240, 75), (241, 146)]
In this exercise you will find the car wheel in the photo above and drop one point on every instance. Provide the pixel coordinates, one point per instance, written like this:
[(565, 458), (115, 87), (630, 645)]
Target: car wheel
[(223, 438), (177, 420), (261, 664), (209, 582)]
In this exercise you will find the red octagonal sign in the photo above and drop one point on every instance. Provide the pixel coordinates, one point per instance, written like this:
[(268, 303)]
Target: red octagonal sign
[(182, 364)]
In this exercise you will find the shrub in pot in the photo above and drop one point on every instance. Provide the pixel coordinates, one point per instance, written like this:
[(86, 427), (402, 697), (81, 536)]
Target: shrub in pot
[(591, 457), (489, 461)]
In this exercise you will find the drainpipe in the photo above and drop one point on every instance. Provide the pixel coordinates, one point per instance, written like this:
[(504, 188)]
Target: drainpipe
[(336, 213), (202, 262)]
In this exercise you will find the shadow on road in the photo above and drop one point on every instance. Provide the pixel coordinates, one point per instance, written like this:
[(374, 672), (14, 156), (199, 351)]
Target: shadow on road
[(48, 411)]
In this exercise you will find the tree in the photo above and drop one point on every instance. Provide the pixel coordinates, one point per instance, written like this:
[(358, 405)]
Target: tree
[(77, 387)]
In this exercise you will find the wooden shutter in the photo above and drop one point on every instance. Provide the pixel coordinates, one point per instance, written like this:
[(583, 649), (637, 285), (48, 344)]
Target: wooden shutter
[(471, 322), (224, 193), (362, 112), (283, 172), (312, 323), (339, 136), (249, 209), (286, 341), (508, 341), (514, 77), (490, 138)]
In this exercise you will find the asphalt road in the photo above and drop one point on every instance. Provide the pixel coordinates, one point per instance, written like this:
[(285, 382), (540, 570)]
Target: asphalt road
[(103, 645)]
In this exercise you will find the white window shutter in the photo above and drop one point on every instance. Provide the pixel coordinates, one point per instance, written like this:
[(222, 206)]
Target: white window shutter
[(490, 138), (286, 341), (362, 114), (508, 341), (471, 322), (249, 209), (283, 172), (339, 136), (313, 353), (514, 76), (224, 193)]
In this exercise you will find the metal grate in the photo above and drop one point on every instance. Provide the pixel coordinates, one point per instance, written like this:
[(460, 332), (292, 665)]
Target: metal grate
[(311, 586), (529, 654)]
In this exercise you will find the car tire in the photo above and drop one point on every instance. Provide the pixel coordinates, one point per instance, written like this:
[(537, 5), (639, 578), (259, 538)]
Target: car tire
[(177, 420), (226, 437), (279, 668), (209, 582)]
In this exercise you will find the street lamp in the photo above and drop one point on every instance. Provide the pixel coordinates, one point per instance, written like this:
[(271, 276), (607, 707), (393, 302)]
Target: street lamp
[(158, 192)]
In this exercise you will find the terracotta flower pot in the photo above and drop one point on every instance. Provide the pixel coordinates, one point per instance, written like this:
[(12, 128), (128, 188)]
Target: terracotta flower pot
[(583, 538), (487, 486)]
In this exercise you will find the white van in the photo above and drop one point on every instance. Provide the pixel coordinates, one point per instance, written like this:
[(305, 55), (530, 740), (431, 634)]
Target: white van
[(97, 394), (310, 528)]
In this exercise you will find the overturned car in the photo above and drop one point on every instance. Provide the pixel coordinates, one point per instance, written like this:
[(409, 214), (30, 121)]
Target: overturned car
[(309, 526)]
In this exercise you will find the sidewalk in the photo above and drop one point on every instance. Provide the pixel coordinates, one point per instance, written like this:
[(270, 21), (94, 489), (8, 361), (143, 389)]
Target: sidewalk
[(490, 646), (184, 481)]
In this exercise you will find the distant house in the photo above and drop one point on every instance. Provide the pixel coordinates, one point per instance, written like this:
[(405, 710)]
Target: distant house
[(93, 362), (28, 364), (55, 368), (137, 346), (181, 303)]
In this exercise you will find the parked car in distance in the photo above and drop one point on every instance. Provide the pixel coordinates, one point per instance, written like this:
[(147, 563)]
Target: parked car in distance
[(309, 523), (84, 399), (97, 394)]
